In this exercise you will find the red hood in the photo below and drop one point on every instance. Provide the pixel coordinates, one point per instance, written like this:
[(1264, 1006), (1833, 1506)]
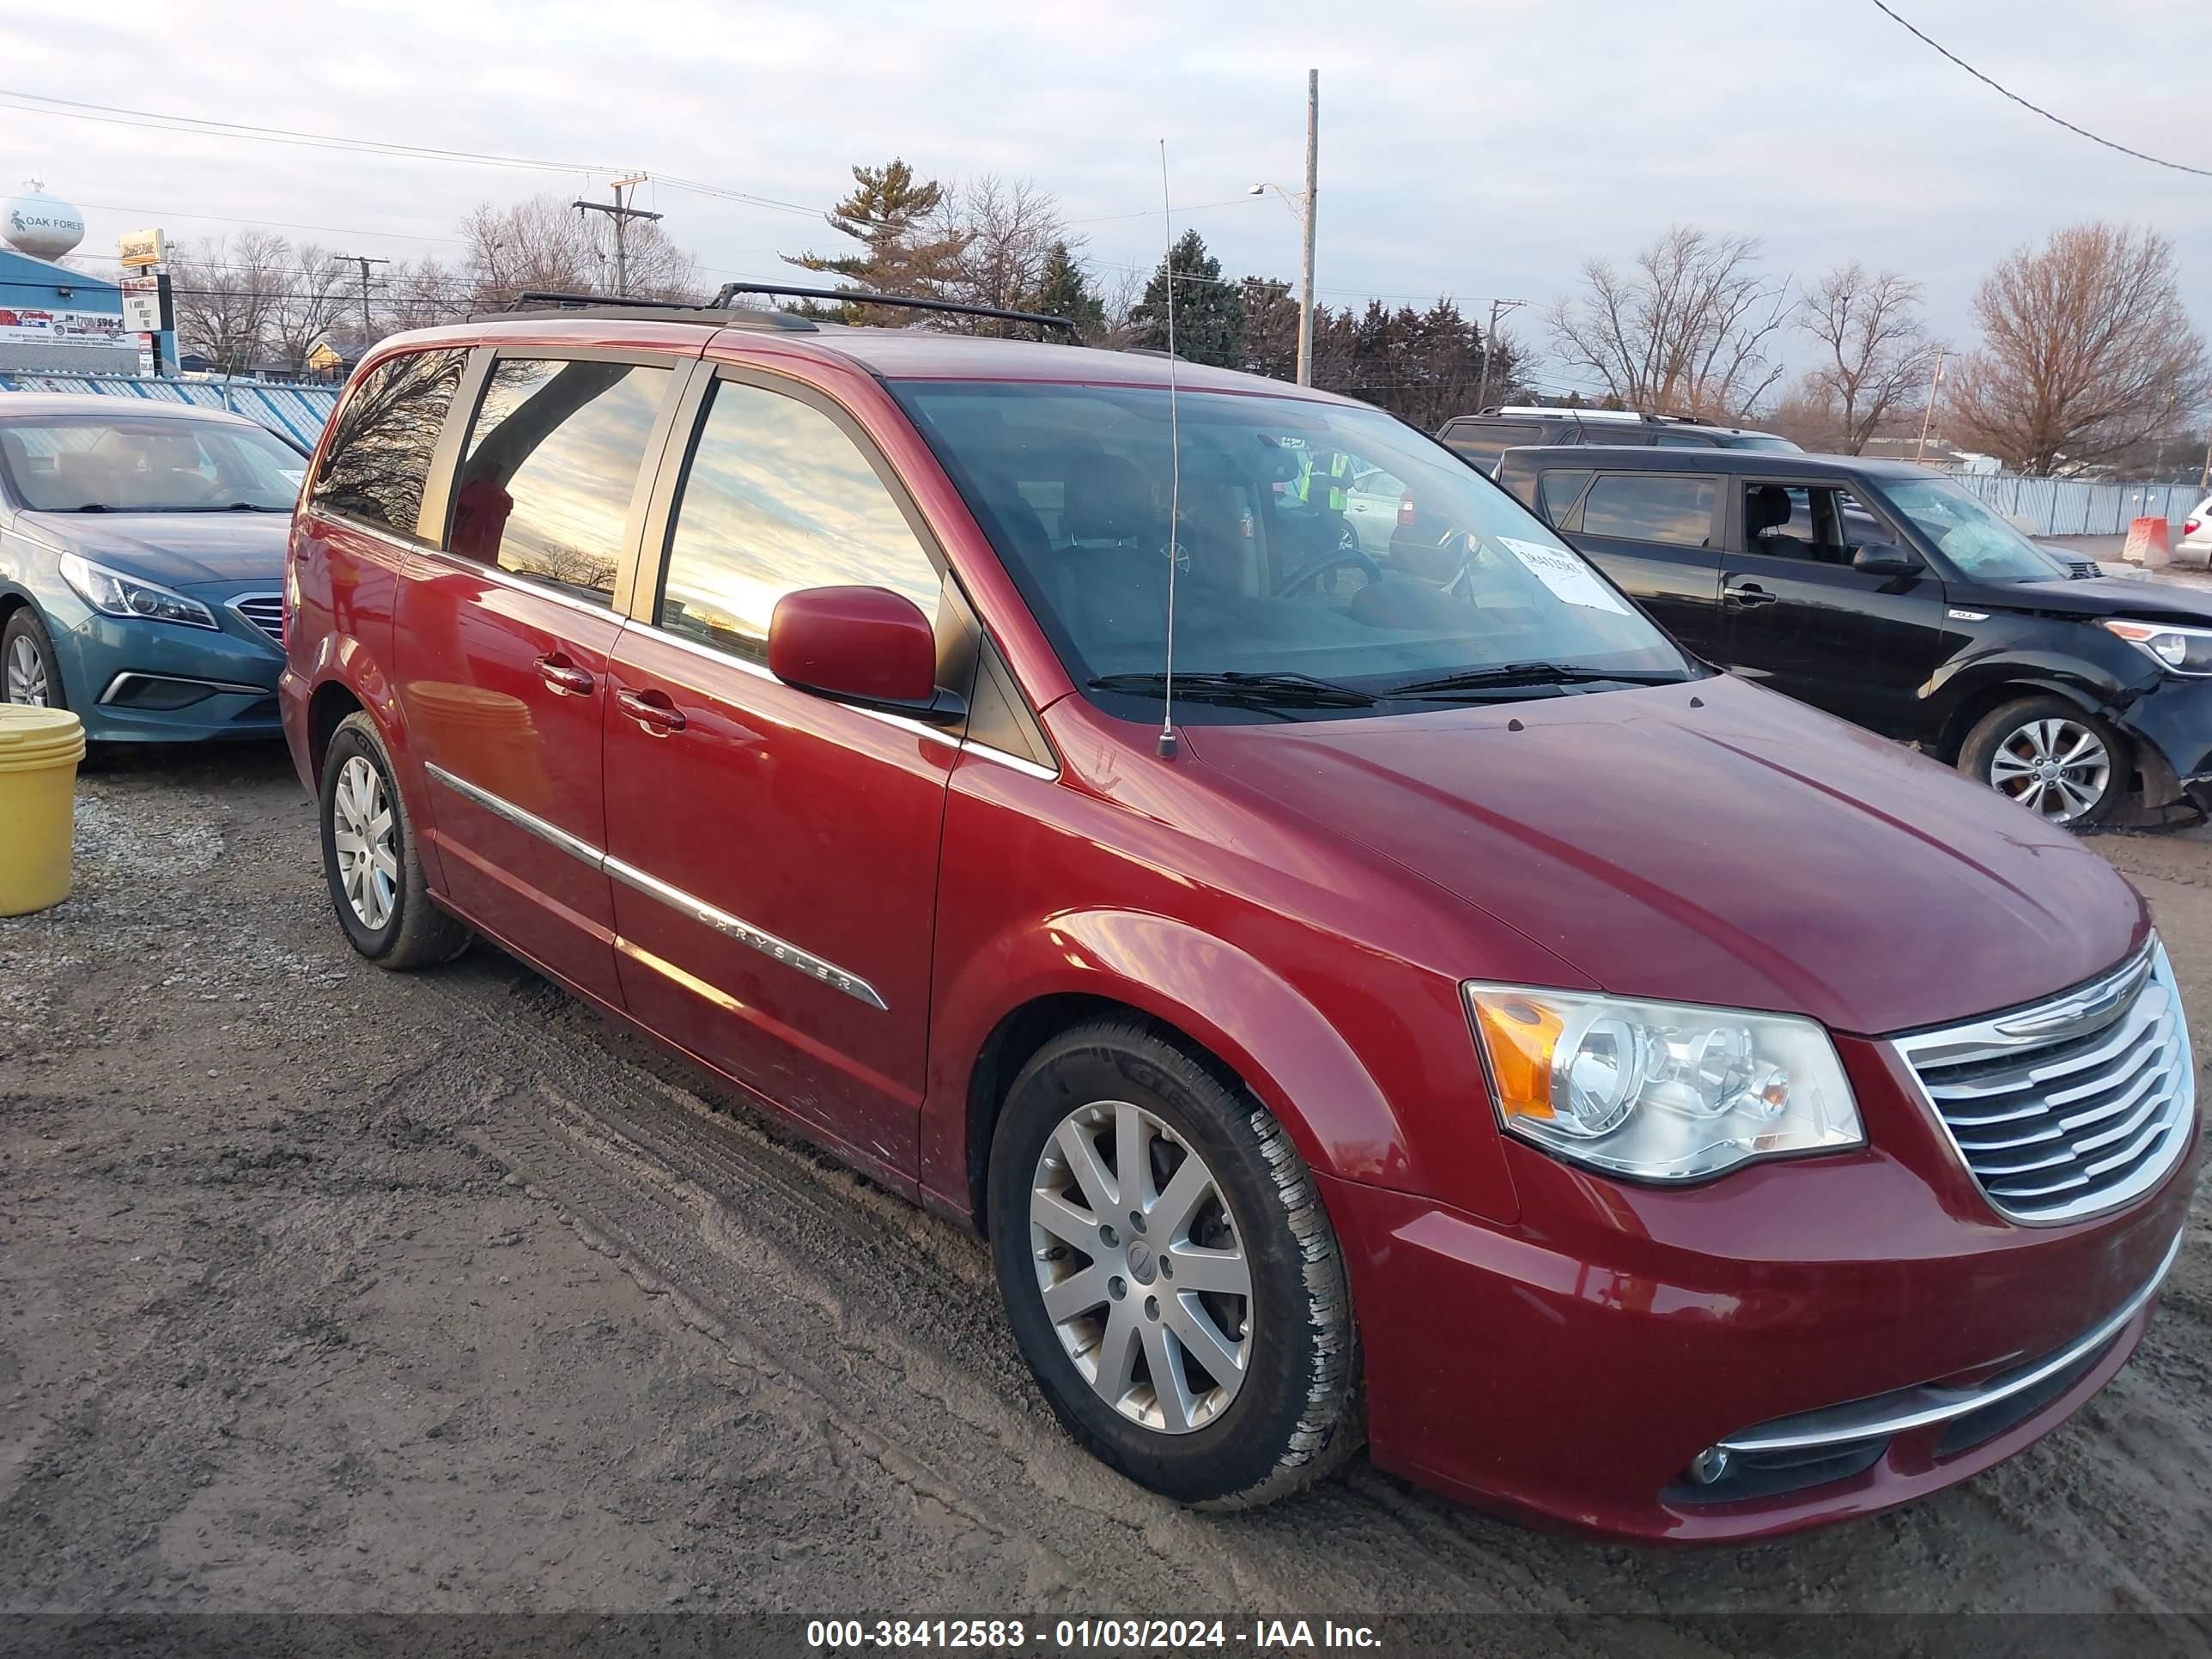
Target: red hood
[(1749, 852)]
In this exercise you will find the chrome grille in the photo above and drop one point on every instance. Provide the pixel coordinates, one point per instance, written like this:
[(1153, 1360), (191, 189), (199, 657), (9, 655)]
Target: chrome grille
[(264, 611), (2071, 1106)]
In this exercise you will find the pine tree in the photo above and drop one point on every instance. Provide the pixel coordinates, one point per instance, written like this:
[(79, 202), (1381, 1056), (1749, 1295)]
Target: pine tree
[(1209, 314), (900, 220), (1064, 290), (1271, 329)]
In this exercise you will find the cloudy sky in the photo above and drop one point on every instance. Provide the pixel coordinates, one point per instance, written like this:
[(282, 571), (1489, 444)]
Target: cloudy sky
[(1478, 149)]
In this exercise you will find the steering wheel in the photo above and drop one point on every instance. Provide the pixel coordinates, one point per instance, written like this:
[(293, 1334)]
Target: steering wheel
[(1328, 562)]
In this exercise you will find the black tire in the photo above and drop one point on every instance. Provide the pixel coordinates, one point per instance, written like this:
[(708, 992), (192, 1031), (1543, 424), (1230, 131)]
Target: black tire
[(1294, 1416), (2005, 730), (415, 933), (23, 624)]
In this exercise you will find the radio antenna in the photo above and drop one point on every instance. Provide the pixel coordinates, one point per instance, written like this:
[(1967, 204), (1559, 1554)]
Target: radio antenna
[(1168, 742)]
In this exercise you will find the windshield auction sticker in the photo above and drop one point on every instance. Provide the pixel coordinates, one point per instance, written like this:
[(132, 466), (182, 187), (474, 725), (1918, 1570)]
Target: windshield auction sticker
[(1567, 575)]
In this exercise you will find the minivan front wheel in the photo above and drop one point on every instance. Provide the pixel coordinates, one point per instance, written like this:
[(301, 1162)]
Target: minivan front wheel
[(1169, 1272), (2052, 759), (370, 857)]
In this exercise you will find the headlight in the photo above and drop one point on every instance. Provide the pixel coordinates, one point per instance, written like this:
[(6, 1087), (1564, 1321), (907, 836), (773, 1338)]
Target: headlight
[(2182, 650), (1658, 1091), (114, 594)]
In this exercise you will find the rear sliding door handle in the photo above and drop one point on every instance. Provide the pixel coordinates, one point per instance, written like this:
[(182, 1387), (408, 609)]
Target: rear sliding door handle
[(652, 711), (1749, 593), (563, 678)]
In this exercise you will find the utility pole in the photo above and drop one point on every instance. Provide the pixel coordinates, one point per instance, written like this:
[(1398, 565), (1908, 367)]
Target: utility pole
[(622, 214), (2204, 478), (364, 262), (1313, 198), (1929, 413), (1303, 206), (1489, 350)]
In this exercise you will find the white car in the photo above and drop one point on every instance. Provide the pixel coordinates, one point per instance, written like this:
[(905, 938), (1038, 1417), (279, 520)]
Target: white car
[(2195, 546)]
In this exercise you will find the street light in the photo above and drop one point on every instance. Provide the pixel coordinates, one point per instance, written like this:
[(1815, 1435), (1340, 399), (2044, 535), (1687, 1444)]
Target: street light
[(1302, 203)]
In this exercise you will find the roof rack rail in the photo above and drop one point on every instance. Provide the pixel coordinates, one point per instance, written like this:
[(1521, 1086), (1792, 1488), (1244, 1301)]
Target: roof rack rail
[(543, 296), (676, 311), (1037, 319)]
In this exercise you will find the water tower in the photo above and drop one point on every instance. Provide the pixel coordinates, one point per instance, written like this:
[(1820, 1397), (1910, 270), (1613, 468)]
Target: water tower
[(45, 227)]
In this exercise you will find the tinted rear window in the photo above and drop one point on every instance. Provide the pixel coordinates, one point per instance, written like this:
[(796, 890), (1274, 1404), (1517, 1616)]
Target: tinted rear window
[(1556, 494), (1484, 444), (386, 432), (1673, 507)]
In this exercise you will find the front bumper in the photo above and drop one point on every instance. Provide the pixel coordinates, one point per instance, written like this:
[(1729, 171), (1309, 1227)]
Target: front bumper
[(2173, 719), (1571, 1370), (139, 681)]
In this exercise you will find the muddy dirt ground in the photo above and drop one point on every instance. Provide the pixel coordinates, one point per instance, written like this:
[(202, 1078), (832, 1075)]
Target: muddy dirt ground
[(323, 1289)]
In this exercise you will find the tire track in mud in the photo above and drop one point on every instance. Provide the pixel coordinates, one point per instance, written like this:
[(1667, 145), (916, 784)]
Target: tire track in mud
[(886, 1315)]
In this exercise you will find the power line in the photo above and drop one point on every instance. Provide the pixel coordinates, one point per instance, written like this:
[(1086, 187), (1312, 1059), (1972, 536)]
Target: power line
[(1879, 5), (116, 115), (270, 224)]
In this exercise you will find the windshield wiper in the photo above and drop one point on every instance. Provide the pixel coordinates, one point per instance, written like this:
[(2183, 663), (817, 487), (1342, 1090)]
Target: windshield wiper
[(1507, 675), (1276, 691)]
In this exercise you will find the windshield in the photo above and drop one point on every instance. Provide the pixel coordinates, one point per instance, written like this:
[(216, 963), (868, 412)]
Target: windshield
[(1331, 552), (1983, 545), (1777, 446), (159, 465)]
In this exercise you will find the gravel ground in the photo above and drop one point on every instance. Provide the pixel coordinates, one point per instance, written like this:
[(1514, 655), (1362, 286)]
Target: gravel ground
[(329, 1290)]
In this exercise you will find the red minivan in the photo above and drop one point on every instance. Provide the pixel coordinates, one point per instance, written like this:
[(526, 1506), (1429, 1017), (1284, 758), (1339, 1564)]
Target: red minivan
[(1447, 1016)]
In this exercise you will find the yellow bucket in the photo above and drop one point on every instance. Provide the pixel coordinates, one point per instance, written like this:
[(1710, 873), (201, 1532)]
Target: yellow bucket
[(39, 748)]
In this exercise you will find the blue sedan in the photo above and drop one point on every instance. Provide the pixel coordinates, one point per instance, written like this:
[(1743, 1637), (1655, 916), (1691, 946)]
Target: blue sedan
[(142, 565)]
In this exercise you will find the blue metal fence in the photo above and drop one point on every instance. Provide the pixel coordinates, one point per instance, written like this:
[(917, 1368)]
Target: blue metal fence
[(2070, 507), (298, 411)]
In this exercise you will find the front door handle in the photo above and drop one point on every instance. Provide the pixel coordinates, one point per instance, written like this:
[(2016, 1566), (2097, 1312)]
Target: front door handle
[(1749, 593), (652, 710), (562, 677)]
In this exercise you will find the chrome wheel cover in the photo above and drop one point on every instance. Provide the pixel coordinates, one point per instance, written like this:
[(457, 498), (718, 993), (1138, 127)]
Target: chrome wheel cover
[(26, 674), (1140, 1268), (2057, 768), (365, 832)]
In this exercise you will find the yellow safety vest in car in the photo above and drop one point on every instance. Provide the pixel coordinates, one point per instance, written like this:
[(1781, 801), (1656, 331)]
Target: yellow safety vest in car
[(1339, 475)]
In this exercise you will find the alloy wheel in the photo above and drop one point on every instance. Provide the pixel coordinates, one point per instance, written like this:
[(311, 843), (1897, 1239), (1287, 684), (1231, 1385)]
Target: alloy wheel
[(1141, 1266), (364, 830), (26, 674), (2058, 767)]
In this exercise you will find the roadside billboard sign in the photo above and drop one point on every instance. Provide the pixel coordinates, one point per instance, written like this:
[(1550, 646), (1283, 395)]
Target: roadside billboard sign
[(140, 249), (146, 307)]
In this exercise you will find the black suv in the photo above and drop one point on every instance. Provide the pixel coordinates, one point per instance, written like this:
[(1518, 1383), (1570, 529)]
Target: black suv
[(1883, 592), (1483, 437)]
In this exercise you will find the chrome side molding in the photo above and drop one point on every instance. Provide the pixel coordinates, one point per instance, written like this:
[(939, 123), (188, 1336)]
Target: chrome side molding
[(734, 927)]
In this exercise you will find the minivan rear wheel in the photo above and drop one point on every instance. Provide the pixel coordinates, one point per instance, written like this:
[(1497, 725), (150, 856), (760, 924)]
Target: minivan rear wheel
[(370, 857), (1169, 1272), (2049, 756)]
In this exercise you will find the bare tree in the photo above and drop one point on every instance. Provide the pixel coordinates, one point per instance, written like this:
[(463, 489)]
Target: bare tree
[(1120, 293), (1005, 234), (1686, 331), (316, 291), (421, 293), (225, 291), (2085, 351), (1878, 349), (542, 244)]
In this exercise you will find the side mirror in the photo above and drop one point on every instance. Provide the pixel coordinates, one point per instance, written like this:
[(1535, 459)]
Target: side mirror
[(863, 645), (1881, 559)]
